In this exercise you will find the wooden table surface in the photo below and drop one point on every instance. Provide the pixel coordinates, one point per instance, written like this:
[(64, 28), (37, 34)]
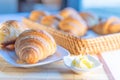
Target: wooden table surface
[(53, 71)]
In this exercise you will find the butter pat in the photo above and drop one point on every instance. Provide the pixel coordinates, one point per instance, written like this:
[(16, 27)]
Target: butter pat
[(82, 62)]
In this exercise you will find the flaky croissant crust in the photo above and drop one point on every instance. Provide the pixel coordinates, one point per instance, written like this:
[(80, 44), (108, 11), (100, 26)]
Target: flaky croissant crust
[(10, 30), (34, 45)]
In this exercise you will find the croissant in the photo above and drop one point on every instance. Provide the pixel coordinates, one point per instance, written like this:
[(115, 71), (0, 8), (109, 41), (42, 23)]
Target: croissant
[(68, 12), (51, 21), (9, 47), (109, 26), (34, 45), (37, 15), (90, 19), (10, 30), (73, 26)]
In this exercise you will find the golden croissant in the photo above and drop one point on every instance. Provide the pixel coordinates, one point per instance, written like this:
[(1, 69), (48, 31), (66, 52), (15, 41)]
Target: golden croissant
[(34, 45), (109, 26), (37, 15), (73, 26), (51, 21), (10, 30), (90, 19)]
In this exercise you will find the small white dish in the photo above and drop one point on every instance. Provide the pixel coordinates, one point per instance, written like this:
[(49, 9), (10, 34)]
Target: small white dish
[(10, 57), (68, 61)]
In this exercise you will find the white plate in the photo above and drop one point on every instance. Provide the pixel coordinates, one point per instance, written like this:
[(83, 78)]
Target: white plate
[(68, 60), (11, 58)]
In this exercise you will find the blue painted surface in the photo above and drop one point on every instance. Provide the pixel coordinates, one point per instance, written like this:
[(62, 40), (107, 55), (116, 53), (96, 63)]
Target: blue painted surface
[(15, 16), (102, 12), (105, 12), (76, 4)]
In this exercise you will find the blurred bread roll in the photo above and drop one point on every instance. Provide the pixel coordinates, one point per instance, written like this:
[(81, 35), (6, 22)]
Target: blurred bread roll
[(73, 26), (90, 19), (68, 12), (51, 21), (71, 12), (108, 26), (37, 15)]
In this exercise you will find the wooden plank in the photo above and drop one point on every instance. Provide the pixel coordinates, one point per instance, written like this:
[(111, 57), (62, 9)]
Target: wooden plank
[(53, 71)]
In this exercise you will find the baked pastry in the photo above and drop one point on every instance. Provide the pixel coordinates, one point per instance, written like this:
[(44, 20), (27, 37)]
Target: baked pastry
[(68, 12), (37, 15), (90, 19), (10, 30), (73, 26), (109, 26), (34, 45), (9, 47), (51, 21)]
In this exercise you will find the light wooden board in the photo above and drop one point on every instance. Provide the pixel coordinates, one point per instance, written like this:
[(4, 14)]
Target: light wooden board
[(54, 71)]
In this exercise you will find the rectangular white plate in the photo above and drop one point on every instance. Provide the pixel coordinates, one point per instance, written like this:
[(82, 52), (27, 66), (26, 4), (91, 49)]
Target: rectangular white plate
[(10, 57)]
